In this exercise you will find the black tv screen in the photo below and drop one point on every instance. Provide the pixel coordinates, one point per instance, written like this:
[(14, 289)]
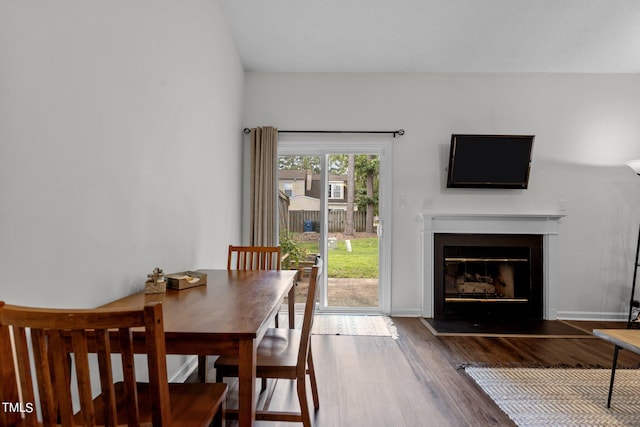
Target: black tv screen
[(489, 161)]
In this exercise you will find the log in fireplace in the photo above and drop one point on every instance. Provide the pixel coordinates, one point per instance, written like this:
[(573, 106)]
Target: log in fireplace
[(483, 277)]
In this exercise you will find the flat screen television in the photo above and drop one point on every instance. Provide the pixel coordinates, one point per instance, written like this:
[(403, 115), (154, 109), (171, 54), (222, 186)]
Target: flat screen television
[(489, 161)]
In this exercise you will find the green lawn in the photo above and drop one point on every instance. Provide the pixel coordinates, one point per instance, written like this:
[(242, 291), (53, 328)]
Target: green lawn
[(361, 262)]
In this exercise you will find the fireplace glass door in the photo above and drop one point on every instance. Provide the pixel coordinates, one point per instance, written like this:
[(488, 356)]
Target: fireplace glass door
[(488, 277)]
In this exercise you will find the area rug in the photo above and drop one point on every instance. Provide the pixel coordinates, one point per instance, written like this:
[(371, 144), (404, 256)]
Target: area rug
[(362, 325), (562, 397)]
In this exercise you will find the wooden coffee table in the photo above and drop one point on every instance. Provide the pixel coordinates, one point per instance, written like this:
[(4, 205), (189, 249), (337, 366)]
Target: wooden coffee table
[(628, 339)]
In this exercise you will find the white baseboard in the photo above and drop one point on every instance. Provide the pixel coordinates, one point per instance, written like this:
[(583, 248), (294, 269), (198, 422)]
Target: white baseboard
[(593, 316), (406, 313)]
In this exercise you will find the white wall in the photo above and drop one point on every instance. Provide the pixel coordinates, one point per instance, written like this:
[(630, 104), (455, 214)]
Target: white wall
[(120, 145), (586, 127)]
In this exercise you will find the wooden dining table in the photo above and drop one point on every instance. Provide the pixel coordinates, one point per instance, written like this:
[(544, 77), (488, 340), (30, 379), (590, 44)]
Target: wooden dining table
[(227, 316)]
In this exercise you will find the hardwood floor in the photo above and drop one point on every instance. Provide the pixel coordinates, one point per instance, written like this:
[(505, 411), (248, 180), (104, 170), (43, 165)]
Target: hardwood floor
[(417, 380)]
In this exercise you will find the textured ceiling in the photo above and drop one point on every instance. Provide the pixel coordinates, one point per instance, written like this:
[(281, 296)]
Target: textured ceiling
[(555, 36)]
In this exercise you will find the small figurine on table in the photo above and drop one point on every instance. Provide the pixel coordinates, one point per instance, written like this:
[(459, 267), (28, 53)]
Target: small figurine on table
[(155, 283)]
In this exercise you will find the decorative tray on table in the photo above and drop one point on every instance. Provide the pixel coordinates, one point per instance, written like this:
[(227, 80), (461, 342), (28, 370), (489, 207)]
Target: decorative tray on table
[(186, 279)]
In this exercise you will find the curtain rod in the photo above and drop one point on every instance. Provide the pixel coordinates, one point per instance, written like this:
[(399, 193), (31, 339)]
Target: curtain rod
[(400, 132)]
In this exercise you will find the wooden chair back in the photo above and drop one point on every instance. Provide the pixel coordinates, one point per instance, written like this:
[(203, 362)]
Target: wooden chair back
[(8, 383), (307, 320), (254, 257), (56, 333)]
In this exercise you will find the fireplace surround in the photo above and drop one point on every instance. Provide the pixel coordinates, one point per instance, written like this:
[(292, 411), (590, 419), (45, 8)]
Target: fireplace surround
[(466, 231)]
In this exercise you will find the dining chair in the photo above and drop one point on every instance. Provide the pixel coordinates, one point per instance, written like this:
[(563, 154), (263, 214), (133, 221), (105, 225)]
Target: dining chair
[(247, 258), (8, 383), (58, 334), (254, 257), (284, 354)]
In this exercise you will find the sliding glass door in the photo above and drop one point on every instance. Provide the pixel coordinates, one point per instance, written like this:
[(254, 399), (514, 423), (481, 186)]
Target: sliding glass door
[(334, 203)]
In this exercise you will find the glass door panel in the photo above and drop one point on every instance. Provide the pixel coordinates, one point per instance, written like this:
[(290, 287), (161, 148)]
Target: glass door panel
[(352, 242), (300, 207), (329, 206)]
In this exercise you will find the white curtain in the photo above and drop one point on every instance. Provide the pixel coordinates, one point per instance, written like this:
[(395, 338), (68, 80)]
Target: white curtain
[(264, 186)]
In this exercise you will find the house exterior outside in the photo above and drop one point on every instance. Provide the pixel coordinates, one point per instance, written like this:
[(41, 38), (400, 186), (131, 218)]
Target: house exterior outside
[(303, 189)]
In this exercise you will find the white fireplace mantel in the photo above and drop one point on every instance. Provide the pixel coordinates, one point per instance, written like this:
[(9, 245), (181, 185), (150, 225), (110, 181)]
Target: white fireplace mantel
[(546, 225)]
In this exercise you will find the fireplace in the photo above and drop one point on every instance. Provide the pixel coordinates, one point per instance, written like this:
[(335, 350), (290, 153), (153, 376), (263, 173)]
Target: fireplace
[(533, 298), (482, 277)]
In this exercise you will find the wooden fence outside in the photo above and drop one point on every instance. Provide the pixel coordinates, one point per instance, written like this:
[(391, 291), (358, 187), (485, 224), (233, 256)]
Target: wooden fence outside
[(336, 220), (283, 211)]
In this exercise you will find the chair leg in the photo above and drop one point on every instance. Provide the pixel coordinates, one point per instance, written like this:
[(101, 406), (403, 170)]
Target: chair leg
[(302, 398), (219, 418), (312, 378), (202, 368), (219, 376)]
